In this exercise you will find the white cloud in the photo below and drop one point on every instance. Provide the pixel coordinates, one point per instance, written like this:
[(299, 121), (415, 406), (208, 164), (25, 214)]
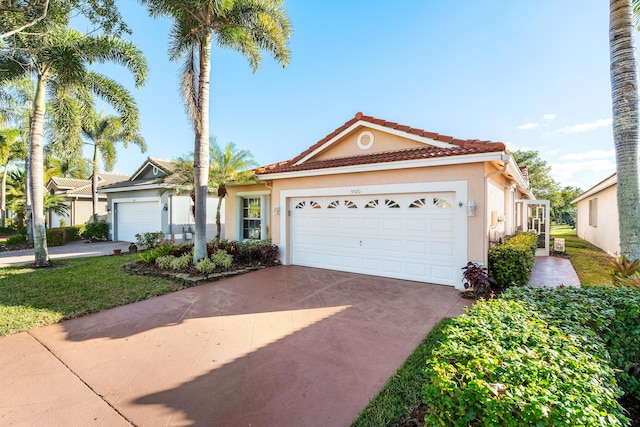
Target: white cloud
[(585, 127), (589, 155), (528, 126), (573, 172), (549, 116)]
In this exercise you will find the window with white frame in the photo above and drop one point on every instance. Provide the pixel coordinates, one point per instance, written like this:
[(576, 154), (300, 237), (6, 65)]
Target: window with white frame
[(252, 218), (593, 212)]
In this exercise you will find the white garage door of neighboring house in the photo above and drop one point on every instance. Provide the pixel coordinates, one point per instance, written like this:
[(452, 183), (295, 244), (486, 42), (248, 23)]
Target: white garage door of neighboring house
[(405, 236), (136, 217)]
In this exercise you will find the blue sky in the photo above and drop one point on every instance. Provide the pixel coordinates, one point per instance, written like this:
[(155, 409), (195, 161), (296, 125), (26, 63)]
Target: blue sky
[(534, 75)]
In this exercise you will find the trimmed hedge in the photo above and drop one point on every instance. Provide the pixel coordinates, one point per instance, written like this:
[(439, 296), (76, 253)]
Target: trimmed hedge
[(73, 232), (96, 230), (503, 364), (512, 262), (600, 314), (55, 236)]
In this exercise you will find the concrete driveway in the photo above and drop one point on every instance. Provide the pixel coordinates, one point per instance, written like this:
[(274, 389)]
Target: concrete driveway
[(79, 248), (284, 346)]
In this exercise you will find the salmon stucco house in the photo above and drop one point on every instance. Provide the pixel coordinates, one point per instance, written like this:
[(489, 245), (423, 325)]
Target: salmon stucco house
[(380, 198)]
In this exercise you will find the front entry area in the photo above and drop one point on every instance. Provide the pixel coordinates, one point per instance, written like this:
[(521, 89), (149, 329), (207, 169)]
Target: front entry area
[(413, 236)]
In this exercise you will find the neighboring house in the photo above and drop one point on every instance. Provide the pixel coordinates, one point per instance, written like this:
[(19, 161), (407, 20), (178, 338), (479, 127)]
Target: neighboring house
[(144, 203), (77, 195), (380, 198), (597, 219)]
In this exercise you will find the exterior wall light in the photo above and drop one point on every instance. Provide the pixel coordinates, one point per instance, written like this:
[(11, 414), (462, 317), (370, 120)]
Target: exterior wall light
[(471, 208)]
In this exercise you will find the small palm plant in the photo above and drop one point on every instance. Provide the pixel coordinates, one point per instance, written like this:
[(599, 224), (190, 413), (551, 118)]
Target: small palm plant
[(624, 272)]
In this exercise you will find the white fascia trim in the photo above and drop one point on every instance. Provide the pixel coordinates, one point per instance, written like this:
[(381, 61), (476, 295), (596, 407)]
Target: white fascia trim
[(609, 182), (373, 167), (459, 187), (253, 193), (141, 169), (513, 167), (136, 199), (139, 187), (403, 134)]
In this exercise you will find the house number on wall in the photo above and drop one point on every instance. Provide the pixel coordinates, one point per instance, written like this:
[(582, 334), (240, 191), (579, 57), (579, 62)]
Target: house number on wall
[(354, 191)]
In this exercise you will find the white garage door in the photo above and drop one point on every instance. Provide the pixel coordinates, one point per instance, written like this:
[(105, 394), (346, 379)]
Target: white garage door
[(136, 217), (405, 236)]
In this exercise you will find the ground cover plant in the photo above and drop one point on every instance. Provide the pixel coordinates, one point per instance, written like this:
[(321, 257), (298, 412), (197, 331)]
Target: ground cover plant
[(30, 297), (504, 364)]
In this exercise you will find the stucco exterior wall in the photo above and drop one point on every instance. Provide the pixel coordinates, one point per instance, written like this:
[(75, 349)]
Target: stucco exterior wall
[(382, 141), (605, 234), (472, 173)]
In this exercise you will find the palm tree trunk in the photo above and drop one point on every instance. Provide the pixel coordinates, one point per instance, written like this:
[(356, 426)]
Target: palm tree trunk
[(37, 172), (201, 152), (94, 183), (624, 93), (218, 226)]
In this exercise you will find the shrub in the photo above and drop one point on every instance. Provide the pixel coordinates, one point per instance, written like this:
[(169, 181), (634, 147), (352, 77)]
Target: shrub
[(512, 262), (96, 230), (624, 272), (17, 238), (270, 254), (222, 258), (63, 223), (206, 266), (164, 261), (603, 314), (476, 280), (72, 233), (180, 263), (151, 255), (149, 239), (501, 364), (55, 236)]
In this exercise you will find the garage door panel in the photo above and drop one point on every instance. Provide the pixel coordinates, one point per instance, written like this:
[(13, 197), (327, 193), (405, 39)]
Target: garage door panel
[(406, 236), (136, 217)]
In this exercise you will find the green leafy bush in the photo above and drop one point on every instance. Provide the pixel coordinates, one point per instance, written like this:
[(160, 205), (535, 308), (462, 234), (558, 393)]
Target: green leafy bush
[(63, 223), (96, 230), (180, 263), (601, 315), (502, 364), (15, 239), (206, 266), (222, 258), (151, 255), (164, 261), (72, 233), (149, 239), (55, 236), (512, 262)]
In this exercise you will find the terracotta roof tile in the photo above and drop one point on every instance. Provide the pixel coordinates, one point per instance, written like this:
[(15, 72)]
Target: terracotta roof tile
[(384, 157), (484, 146)]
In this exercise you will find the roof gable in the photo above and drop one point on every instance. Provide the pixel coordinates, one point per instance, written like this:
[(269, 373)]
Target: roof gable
[(152, 168), (366, 140)]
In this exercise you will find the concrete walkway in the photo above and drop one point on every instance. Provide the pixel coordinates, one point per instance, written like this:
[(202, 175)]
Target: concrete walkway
[(75, 249), (553, 271), (283, 346)]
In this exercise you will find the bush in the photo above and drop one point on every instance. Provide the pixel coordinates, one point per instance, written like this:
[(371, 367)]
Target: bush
[(602, 314), (96, 230), (270, 254), (206, 266), (55, 236), (222, 258), (149, 239), (151, 255), (512, 262), (15, 239), (164, 261), (72, 233), (180, 263), (502, 364)]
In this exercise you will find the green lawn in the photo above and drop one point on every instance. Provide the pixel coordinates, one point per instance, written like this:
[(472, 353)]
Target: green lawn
[(590, 262), (30, 298)]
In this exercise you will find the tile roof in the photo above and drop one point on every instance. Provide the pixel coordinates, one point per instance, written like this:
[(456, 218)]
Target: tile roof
[(62, 182), (463, 146), (82, 187), (163, 164)]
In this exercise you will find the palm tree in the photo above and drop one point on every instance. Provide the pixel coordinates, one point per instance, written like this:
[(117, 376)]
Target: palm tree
[(17, 186), (12, 148), (59, 60), (624, 94), (104, 132), (248, 26), (227, 165), (66, 166)]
